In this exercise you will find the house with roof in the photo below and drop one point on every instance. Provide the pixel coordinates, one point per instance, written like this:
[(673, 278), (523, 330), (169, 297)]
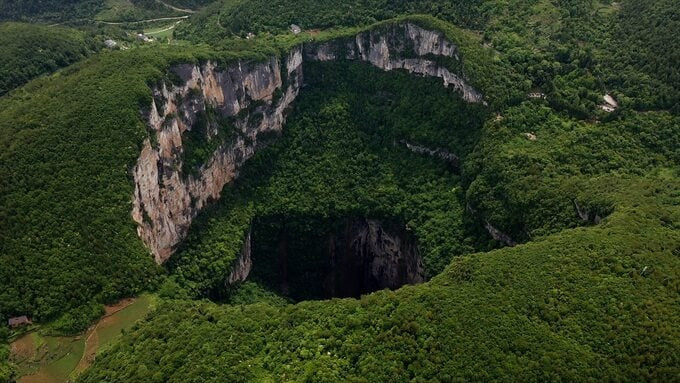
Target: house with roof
[(19, 321)]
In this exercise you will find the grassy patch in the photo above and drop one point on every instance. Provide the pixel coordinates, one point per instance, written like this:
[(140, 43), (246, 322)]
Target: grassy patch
[(42, 358)]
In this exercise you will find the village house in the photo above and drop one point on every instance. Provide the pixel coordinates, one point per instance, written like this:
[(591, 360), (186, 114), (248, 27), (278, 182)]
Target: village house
[(19, 321)]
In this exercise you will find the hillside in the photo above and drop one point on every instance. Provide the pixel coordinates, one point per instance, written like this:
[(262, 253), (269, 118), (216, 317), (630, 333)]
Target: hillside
[(402, 191), (28, 51)]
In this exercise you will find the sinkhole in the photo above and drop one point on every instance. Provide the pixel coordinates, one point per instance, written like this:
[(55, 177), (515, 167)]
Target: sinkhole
[(308, 258)]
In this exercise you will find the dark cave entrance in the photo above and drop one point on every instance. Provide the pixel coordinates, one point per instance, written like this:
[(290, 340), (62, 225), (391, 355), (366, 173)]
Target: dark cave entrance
[(306, 258)]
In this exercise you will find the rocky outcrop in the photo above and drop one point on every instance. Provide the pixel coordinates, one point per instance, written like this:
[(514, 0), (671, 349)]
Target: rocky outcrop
[(252, 100), (407, 46), (493, 231), (586, 215), (440, 153), (391, 257), (240, 269), (166, 200), (498, 235)]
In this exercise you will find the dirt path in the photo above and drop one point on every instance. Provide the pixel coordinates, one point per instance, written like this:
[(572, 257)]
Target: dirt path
[(175, 8), (92, 337)]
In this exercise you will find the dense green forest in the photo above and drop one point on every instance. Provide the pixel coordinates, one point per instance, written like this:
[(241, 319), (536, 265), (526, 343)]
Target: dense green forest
[(87, 11), (590, 197), (67, 239), (343, 155), (643, 57), (48, 9), (572, 50), (28, 50), (589, 303)]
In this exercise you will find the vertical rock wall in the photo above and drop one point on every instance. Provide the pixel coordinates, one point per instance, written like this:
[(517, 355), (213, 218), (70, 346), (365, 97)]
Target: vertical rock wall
[(254, 97), (166, 200)]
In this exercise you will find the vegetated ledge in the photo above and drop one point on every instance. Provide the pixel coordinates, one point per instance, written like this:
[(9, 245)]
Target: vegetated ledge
[(235, 108)]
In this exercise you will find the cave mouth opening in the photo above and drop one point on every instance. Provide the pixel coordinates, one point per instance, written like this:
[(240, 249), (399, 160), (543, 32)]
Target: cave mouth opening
[(312, 258)]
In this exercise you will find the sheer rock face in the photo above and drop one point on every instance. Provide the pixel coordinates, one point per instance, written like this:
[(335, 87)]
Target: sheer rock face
[(408, 47), (499, 235), (370, 255), (389, 257), (255, 97), (440, 153), (166, 200)]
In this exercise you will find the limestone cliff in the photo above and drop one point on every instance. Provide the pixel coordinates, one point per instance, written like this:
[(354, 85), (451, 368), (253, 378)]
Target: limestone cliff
[(254, 98), (166, 200), (408, 47)]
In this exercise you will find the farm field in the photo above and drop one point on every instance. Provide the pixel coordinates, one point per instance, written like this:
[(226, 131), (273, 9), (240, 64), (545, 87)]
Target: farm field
[(50, 359)]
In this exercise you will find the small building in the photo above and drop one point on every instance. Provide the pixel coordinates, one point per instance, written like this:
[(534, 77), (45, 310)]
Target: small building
[(19, 321), (110, 43), (295, 29), (144, 38), (250, 36)]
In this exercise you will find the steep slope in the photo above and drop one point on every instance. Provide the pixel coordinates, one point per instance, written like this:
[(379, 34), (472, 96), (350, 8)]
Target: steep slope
[(66, 198), (589, 303), (251, 100), (595, 302)]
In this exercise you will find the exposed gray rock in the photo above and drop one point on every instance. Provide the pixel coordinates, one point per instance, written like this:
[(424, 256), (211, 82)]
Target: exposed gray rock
[(391, 257), (240, 269), (166, 200), (586, 215), (499, 235), (371, 256), (408, 47), (436, 152)]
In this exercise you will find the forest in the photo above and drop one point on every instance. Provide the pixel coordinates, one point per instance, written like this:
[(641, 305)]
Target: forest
[(27, 51), (581, 282)]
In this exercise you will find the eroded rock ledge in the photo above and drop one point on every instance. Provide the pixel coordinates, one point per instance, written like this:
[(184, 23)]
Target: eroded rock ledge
[(253, 98)]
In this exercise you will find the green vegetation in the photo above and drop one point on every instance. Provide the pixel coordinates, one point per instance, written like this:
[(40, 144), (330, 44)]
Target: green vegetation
[(575, 51), (249, 293), (42, 356), (29, 50), (588, 303), (592, 197), (643, 54), (257, 16), (55, 10), (134, 10), (342, 156), (65, 230), (76, 320), (189, 4)]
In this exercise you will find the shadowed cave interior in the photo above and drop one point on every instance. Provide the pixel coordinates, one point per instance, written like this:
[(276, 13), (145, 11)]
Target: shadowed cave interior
[(305, 258)]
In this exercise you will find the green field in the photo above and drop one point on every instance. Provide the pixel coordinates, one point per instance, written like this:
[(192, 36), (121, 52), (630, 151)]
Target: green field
[(41, 358)]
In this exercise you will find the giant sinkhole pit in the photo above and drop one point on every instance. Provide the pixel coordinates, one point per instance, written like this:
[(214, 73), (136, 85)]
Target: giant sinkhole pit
[(333, 170)]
